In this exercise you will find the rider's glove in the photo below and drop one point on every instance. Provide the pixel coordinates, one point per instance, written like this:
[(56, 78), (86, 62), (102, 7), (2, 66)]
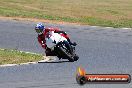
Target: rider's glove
[(64, 33), (61, 32), (43, 44)]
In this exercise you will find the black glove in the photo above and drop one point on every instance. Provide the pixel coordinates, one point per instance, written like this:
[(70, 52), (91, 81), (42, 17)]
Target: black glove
[(61, 32)]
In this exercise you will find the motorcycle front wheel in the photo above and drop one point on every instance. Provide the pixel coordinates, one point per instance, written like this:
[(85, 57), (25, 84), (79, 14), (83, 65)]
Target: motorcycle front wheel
[(69, 56)]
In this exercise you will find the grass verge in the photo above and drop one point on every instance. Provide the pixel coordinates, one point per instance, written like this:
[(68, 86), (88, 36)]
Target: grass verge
[(112, 13), (16, 57)]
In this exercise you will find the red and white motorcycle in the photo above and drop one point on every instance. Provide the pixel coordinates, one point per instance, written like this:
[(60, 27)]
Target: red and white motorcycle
[(61, 47)]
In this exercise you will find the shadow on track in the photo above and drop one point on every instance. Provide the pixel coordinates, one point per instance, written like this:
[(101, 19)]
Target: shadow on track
[(55, 62)]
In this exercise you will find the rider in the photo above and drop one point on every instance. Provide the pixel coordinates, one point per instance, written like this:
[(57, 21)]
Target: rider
[(42, 33)]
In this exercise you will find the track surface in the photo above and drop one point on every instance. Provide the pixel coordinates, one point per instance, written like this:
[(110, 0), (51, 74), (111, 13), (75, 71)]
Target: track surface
[(101, 50)]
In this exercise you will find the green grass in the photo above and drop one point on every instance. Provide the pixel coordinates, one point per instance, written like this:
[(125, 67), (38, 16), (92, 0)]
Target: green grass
[(114, 13), (16, 57)]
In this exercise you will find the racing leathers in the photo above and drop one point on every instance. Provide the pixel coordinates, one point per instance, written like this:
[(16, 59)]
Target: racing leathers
[(44, 35)]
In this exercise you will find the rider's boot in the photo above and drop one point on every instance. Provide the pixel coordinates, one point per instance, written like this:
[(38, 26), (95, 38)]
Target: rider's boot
[(49, 52)]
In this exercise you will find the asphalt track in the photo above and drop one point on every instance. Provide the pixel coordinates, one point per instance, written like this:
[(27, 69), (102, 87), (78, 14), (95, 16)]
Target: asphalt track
[(101, 50)]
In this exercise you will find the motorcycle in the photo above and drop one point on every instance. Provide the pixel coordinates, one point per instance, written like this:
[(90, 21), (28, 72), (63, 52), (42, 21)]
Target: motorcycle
[(61, 47)]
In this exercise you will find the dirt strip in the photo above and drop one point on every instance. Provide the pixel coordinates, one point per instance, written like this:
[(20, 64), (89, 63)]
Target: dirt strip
[(36, 20)]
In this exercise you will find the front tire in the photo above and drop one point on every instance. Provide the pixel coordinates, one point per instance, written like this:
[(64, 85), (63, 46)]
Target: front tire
[(70, 58), (76, 57)]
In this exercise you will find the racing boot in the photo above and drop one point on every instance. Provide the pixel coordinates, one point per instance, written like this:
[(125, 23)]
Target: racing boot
[(48, 52)]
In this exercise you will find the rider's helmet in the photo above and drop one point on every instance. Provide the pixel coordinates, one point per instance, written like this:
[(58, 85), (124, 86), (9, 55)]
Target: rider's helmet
[(39, 28)]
